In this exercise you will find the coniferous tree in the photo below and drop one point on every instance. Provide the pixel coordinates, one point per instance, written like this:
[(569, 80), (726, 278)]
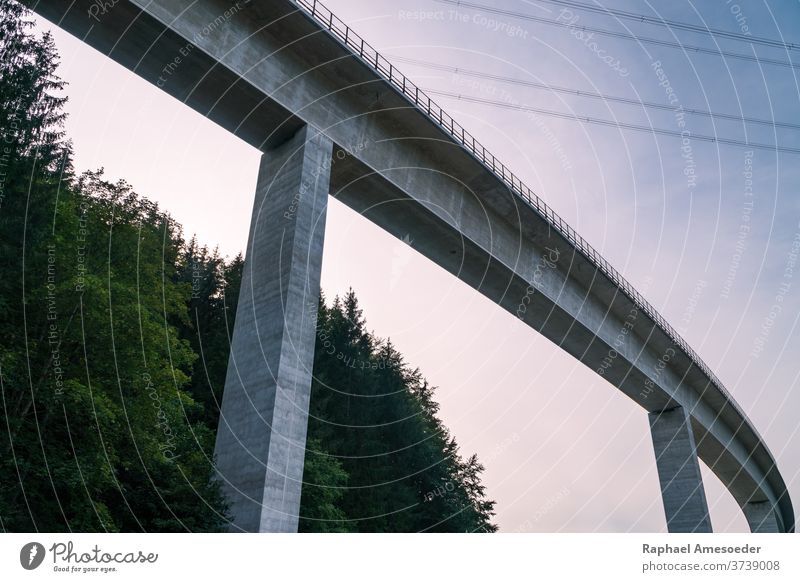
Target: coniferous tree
[(114, 345), (378, 418), (98, 433)]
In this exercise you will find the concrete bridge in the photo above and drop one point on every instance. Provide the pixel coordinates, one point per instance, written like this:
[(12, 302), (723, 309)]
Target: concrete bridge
[(332, 116)]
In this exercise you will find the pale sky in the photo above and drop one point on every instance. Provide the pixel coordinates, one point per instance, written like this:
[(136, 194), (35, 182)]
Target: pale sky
[(563, 449)]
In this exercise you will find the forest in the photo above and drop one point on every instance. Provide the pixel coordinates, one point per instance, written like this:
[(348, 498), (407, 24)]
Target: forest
[(115, 338)]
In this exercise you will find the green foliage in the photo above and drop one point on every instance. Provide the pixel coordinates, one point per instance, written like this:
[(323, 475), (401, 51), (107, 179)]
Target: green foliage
[(114, 344), (378, 418), (214, 285), (324, 481), (98, 431)]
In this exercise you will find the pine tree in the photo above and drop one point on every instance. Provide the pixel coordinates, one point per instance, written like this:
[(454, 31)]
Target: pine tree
[(377, 417), (114, 347), (96, 429)]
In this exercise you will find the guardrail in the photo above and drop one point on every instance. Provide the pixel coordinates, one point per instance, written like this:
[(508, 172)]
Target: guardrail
[(364, 51)]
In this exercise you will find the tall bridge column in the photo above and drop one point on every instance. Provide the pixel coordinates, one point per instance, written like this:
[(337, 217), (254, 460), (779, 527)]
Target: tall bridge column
[(261, 438), (679, 471), (760, 517)]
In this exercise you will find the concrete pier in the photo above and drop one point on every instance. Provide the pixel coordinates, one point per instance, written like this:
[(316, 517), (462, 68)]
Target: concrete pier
[(260, 445), (761, 517), (264, 70), (679, 472)]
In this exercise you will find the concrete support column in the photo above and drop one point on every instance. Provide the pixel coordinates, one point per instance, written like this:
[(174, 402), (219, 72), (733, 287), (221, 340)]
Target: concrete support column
[(261, 438), (679, 472), (761, 517)]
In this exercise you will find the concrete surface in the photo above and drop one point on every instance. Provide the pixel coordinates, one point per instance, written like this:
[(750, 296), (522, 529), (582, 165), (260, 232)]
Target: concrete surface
[(263, 70)]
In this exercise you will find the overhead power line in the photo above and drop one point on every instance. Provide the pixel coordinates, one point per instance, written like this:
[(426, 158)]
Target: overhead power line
[(657, 20), (592, 94), (616, 124), (628, 36)]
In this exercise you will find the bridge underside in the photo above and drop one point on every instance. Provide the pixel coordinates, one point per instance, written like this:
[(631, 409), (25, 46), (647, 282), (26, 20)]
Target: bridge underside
[(269, 74)]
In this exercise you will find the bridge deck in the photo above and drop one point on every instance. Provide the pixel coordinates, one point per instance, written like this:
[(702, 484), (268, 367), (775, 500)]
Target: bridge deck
[(263, 70)]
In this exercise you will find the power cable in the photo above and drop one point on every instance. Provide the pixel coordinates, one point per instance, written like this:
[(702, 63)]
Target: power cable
[(627, 36), (592, 94), (617, 124)]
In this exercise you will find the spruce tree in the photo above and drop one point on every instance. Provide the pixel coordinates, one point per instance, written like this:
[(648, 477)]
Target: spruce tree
[(114, 346), (96, 428)]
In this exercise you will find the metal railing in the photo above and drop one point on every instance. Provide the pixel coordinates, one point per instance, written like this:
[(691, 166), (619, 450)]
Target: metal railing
[(364, 51)]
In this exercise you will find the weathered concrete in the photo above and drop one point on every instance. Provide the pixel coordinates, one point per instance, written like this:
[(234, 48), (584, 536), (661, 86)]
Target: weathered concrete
[(679, 472), (761, 517), (265, 69), (262, 431)]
